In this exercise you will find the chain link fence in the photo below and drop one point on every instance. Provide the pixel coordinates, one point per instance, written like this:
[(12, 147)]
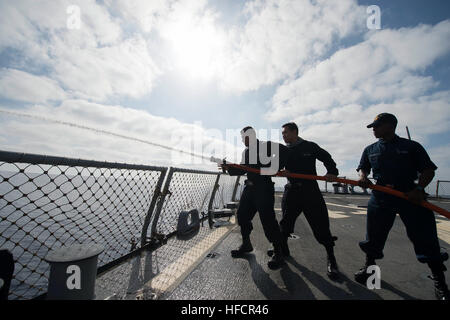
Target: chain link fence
[(187, 190), (51, 202), (226, 188), (184, 190), (442, 189)]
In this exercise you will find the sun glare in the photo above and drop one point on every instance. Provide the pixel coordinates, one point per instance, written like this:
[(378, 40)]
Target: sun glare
[(197, 49)]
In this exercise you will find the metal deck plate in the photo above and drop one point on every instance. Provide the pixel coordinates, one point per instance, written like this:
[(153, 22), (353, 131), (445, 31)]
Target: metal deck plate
[(304, 276)]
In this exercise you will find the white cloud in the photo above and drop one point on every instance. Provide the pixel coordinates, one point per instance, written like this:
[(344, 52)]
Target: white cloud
[(22, 86), (124, 47), (368, 72), (94, 62), (26, 24), (343, 130), (281, 38), (125, 69), (441, 157), (334, 101), (415, 48), (146, 15), (105, 140)]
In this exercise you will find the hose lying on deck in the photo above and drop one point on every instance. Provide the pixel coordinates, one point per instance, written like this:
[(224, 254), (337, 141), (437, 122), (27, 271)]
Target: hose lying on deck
[(387, 190)]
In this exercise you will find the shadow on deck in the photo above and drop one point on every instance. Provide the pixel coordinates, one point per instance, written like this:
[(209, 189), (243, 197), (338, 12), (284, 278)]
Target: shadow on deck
[(211, 273)]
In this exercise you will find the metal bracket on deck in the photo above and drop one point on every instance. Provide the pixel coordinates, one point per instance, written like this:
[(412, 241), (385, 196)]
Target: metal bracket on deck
[(156, 241)]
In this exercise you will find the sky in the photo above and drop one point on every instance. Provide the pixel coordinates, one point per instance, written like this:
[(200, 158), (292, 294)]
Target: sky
[(191, 73)]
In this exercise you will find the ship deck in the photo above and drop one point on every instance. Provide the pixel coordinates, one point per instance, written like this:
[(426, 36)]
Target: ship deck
[(208, 272)]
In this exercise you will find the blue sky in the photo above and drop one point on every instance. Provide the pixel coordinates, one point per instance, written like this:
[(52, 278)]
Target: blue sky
[(160, 70)]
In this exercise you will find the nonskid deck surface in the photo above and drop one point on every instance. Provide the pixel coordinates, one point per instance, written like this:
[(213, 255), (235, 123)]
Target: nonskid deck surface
[(219, 276)]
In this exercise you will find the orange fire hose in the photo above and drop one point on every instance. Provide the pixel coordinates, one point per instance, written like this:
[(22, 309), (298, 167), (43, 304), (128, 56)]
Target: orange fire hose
[(391, 191)]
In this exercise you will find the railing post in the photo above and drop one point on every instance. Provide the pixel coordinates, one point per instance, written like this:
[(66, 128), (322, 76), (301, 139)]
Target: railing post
[(437, 189), (161, 201), (213, 193), (155, 197), (236, 185)]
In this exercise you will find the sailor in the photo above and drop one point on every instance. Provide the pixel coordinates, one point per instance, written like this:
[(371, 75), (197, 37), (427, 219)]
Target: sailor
[(396, 163), (257, 196), (304, 195)]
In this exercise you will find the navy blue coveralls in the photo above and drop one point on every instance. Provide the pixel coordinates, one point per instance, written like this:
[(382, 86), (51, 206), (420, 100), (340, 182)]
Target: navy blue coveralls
[(397, 163), (302, 195), (257, 196)]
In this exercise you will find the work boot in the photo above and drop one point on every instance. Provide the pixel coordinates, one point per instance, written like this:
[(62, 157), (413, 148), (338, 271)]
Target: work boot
[(245, 247), (284, 248), (332, 268), (277, 260), (361, 276), (440, 287)]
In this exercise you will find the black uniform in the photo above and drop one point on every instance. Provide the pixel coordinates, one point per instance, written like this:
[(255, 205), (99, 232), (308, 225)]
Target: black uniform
[(397, 163), (258, 195), (304, 195), (6, 272)]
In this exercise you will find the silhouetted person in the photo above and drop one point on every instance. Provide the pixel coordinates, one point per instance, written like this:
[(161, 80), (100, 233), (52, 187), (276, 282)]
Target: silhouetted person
[(257, 196), (396, 163), (302, 195), (6, 272)]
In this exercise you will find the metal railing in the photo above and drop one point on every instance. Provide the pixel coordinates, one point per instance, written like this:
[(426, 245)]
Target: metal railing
[(344, 188), (50, 202), (442, 189)]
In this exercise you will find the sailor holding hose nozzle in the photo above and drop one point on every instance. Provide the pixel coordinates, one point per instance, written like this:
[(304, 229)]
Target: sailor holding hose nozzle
[(258, 194)]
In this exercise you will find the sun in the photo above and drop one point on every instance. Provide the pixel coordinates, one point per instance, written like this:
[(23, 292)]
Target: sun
[(197, 48)]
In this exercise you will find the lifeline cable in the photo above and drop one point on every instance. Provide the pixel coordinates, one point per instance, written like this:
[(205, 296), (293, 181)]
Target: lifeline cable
[(387, 190)]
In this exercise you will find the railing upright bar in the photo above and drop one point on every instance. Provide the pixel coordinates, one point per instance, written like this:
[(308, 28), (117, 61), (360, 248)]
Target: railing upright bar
[(437, 189), (151, 208), (213, 193), (236, 185), (161, 201)]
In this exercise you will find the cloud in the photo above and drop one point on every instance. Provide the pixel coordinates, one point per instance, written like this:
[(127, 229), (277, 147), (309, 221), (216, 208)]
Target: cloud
[(27, 24), (122, 48), (82, 129), (278, 40), (282, 38), (374, 71), (335, 100), (125, 69), (98, 53), (440, 155), (343, 131), (23, 86), (148, 16)]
